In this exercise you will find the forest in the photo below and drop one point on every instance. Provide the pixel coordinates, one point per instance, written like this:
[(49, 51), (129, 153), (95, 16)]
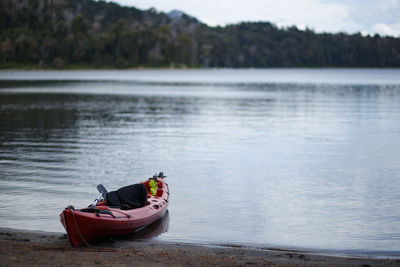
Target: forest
[(97, 34)]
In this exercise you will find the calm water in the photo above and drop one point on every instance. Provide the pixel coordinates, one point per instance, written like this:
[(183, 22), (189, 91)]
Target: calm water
[(291, 158)]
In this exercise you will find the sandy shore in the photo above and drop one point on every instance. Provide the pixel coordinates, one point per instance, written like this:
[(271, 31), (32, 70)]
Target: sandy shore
[(23, 248)]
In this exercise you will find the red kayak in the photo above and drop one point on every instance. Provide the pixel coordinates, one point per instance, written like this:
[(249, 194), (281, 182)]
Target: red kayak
[(121, 212)]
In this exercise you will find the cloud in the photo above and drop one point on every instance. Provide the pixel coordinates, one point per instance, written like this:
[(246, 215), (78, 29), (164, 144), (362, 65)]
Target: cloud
[(303, 13), (371, 16), (376, 16), (387, 5), (386, 29), (318, 14)]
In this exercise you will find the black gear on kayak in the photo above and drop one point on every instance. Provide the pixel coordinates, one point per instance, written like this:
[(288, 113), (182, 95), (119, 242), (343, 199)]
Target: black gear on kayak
[(128, 197)]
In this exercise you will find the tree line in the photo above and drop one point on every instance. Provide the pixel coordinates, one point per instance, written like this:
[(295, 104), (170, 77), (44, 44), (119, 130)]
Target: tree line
[(98, 34)]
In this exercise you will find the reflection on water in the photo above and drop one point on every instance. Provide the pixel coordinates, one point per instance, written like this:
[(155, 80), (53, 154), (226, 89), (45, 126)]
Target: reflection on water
[(284, 164), (151, 231)]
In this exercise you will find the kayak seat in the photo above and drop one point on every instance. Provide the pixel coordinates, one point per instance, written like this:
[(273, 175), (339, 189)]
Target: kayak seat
[(128, 197)]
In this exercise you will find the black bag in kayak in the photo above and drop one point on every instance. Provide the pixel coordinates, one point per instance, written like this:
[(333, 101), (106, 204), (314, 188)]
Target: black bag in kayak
[(128, 197)]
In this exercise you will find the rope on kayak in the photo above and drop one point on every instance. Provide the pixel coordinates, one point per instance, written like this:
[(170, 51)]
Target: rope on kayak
[(97, 212), (71, 209), (127, 215)]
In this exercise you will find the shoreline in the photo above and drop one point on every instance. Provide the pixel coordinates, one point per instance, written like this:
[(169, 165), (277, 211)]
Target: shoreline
[(191, 68), (20, 247)]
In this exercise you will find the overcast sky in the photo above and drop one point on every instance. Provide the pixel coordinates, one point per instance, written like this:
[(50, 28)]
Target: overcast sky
[(365, 16)]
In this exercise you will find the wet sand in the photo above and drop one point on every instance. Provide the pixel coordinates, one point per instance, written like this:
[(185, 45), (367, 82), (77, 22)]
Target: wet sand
[(24, 248)]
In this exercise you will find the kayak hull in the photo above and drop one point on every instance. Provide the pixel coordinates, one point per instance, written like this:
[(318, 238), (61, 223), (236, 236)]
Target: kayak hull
[(85, 226)]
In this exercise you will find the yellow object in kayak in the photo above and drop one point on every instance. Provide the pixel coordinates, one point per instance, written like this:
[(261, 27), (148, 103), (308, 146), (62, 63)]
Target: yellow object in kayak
[(153, 187)]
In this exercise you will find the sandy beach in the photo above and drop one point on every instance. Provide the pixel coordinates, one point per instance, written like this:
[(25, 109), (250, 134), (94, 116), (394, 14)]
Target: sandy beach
[(25, 248)]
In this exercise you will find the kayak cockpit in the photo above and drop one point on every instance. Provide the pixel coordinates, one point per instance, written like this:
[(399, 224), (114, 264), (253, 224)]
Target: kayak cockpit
[(134, 196)]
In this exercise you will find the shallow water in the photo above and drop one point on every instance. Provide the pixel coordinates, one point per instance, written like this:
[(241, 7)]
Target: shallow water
[(291, 158)]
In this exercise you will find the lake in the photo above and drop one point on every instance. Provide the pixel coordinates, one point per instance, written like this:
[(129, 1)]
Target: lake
[(293, 158)]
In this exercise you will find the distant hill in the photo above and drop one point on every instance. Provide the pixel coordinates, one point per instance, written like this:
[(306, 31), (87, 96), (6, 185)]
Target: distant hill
[(175, 14), (97, 34)]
